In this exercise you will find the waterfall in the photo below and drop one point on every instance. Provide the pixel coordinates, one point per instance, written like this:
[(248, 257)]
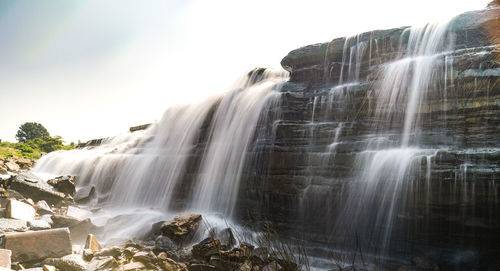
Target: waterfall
[(388, 169), (232, 130), (145, 169)]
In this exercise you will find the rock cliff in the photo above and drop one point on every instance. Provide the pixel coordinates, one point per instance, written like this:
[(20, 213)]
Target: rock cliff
[(306, 161)]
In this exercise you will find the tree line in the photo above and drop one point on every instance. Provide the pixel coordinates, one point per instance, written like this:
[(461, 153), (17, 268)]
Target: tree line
[(33, 141)]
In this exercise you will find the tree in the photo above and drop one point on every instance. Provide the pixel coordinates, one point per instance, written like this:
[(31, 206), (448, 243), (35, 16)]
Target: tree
[(52, 144), (31, 130)]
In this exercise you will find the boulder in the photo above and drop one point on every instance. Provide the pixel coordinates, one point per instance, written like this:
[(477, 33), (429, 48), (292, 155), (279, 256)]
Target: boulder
[(84, 194), (61, 221), (181, 226), (77, 213), (42, 208), (112, 251), (103, 263), (5, 255), (31, 186), (145, 257), (273, 266), (226, 238), (12, 167), (71, 262), (20, 210), (47, 218), (38, 224), (92, 243), (3, 169), (8, 225), (38, 245), (171, 265), (206, 248), (64, 184)]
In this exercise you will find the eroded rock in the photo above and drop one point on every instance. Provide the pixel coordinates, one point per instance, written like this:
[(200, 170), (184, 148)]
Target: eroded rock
[(38, 245), (181, 226), (64, 184)]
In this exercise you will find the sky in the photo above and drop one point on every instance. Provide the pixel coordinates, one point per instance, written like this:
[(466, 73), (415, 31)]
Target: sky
[(91, 69)]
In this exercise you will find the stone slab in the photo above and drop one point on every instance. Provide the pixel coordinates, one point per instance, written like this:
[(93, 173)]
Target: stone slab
[(37, 245)]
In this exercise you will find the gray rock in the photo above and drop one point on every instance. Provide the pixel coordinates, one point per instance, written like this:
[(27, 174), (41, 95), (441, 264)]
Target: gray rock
[(77, 213), (47, 218), (103, 263), (38, 190), (19, 210), (84, 194), (42, 208), (8, 224), (64, 184), (71, 262), (38, 224)]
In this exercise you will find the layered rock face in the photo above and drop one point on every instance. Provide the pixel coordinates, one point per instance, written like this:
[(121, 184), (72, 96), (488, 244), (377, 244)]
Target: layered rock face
[(326, 151), (385, 142)]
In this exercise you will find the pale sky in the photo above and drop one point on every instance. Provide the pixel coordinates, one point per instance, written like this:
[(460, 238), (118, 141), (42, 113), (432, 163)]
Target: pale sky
[(89, 69)]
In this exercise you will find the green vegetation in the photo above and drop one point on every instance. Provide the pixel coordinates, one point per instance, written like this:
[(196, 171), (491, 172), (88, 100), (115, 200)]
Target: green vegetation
[(34, 140), (31, 130)]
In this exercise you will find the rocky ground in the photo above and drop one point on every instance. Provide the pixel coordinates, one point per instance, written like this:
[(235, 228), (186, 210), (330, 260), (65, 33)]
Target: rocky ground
[(41, 226)]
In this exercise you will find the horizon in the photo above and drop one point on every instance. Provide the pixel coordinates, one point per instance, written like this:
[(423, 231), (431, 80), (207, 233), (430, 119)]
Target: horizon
[(93, 69)]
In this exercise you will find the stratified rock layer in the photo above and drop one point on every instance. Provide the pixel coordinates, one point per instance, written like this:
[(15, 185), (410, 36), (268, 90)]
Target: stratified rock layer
[(296, 177)]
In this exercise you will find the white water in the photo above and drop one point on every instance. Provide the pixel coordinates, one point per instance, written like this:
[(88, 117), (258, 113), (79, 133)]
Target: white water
[(141, 170), (388, 168)]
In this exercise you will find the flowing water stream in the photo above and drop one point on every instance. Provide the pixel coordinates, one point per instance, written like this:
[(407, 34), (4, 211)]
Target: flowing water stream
[(196, 156)]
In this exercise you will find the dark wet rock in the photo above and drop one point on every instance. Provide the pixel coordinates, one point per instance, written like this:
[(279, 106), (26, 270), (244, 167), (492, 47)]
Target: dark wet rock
[(226, 238), (206, 248), (181, 226), (84, 194), (202, 267), (272, 266), (260, 255), (64, 184), (31, 186), (425, 264), (223, 264), (164, 243)]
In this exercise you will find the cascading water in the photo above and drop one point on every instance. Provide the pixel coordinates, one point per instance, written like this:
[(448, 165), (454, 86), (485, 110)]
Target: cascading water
[(144, 169), (371, 145), (232, 130), (389, 170)]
